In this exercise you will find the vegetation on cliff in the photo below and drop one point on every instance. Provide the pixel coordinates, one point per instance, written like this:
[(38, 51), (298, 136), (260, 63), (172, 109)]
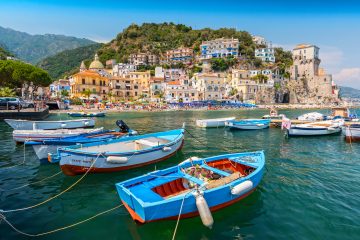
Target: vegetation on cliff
[(68, 61)]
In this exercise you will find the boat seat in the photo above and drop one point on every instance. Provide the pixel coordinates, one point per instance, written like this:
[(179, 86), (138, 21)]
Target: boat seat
[(215, 170), (143, 144), (223, 181)]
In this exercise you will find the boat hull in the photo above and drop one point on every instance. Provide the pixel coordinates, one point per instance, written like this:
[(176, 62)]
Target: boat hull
[(42, 151), (101, 114), (50, 125), (298, 131), (213, 123), (75, 164), (352, 134)]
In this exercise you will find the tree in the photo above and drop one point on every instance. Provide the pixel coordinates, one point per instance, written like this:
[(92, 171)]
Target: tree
[(64, 93), (233, 92), (287, 75), (110, 95), (86, 93), (7, 92), (260, 78)]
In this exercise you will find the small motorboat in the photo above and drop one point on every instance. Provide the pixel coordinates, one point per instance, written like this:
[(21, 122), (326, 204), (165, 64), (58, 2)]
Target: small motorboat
[(352, 133), (86, 114), (316, 128), (49, 146), (311, 117), (50, 125), (119, 154), (194, 187), (212, 123), (21, 136), (249, 124)]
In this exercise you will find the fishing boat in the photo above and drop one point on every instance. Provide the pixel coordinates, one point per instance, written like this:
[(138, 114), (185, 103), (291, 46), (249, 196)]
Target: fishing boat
[(50, 125), (86, 114), (316, 128), (194, 187), (119, 154), (249, 124), (21, 136), (216, 122), (49, 146), (352, 133)]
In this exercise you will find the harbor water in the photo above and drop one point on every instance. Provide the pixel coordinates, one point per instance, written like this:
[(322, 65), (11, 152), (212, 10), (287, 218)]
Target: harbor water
[(310, 189)]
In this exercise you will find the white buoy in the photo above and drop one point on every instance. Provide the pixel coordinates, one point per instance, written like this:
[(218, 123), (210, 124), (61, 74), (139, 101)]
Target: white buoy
[(86, 123), (166, 149), (115, 159), (242, 188), (63, 125), (204, 210)]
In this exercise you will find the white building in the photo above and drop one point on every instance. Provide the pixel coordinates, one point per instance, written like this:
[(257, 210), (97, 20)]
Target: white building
[(221, 47), (265, 54), (259, 40), (181, 90), (211, 86), (171, 74), (122, 69)]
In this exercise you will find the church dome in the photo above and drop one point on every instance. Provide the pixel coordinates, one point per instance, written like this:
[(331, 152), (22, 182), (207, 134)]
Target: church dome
[(96, 64)]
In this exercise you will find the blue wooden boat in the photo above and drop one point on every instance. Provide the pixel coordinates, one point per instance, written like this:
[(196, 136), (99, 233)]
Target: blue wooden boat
[(218, 181), (119, 154), (85, 114), (48, 147), (249, 124)]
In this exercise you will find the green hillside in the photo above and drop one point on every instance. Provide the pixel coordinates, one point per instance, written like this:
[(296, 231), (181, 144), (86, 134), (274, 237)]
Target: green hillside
[(33, 48), (349, 92), (68, 61)]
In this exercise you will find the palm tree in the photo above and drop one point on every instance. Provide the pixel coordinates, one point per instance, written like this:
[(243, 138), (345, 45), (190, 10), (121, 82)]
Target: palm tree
[(86, 93), (110, 95), (233, 91), (7, 92)]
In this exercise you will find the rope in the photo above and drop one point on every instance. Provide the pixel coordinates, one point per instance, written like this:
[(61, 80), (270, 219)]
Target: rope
[(2, 217), (53, 197), (32, 182), (178, 219), (23, 162)]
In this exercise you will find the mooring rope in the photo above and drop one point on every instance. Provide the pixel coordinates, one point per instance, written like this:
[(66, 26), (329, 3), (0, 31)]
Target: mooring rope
[(28, 184), (2, 217), (178, 219), (24, 158), (57, 195)]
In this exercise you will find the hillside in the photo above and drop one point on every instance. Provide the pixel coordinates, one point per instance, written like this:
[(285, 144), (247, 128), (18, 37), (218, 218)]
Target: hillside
[(349, 92), (33, 48), (68, 61), (4, 53), (158, 38)]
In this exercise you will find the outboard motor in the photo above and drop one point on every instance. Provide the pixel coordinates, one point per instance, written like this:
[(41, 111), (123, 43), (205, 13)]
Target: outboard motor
[(122, 126)]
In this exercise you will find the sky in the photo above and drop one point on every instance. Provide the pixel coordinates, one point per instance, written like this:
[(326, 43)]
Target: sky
[(334, 26)]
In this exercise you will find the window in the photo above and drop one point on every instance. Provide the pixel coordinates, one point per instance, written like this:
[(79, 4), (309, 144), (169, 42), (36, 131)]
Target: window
[(104, 92), (83, 81), (83, 89), (135, 93)]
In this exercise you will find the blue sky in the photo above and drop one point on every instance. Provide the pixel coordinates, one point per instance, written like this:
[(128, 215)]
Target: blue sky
[(334, 26)]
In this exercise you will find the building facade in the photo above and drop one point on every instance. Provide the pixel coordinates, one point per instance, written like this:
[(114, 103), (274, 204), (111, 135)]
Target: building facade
[(184, 55), (211, 86), (181, 90), (138, 59), (265, 54), (218, 48), (122, 69), (259, 40)]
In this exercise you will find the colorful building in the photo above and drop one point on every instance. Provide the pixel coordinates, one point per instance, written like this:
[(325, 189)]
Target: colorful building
[(265, 54), (218, 48), (184, 55)]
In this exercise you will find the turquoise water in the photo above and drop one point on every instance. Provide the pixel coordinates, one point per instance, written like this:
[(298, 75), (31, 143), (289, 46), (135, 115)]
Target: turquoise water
[(310, 189)]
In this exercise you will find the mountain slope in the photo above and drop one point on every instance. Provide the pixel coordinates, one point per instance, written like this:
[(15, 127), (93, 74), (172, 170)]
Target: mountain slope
[(4, 53), (68, 61), (349, 92), (33, 48)]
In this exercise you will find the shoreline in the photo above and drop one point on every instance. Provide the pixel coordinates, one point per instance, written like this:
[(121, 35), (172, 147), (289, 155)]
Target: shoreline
[(140, 109)]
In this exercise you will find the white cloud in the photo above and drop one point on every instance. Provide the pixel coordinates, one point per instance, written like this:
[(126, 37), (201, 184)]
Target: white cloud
[(331, 56), (348, 77)]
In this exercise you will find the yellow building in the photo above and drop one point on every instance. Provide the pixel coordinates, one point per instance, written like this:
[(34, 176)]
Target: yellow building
[(87, 79), (245, 86)]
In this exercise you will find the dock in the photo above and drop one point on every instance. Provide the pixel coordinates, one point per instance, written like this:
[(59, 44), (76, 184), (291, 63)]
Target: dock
[(26, 114)]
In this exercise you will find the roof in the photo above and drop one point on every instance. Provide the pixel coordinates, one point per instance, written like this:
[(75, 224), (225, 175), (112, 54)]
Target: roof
[(173, 83), (89, 73), (301, 46), (96, 64)]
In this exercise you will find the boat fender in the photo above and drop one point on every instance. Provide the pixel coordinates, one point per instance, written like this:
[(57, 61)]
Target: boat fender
[(260, 124), (166, 149), (63, 125), (242, 188), (331, 128), (115, 159), (86, 123), (204, 211)]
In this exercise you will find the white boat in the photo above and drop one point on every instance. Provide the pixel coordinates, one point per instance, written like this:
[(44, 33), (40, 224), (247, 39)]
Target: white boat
[(216, 122), (249, 124), (352, 133), (21, 136), (119, 154), (316, 128), (313, 116), (50, 125)]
